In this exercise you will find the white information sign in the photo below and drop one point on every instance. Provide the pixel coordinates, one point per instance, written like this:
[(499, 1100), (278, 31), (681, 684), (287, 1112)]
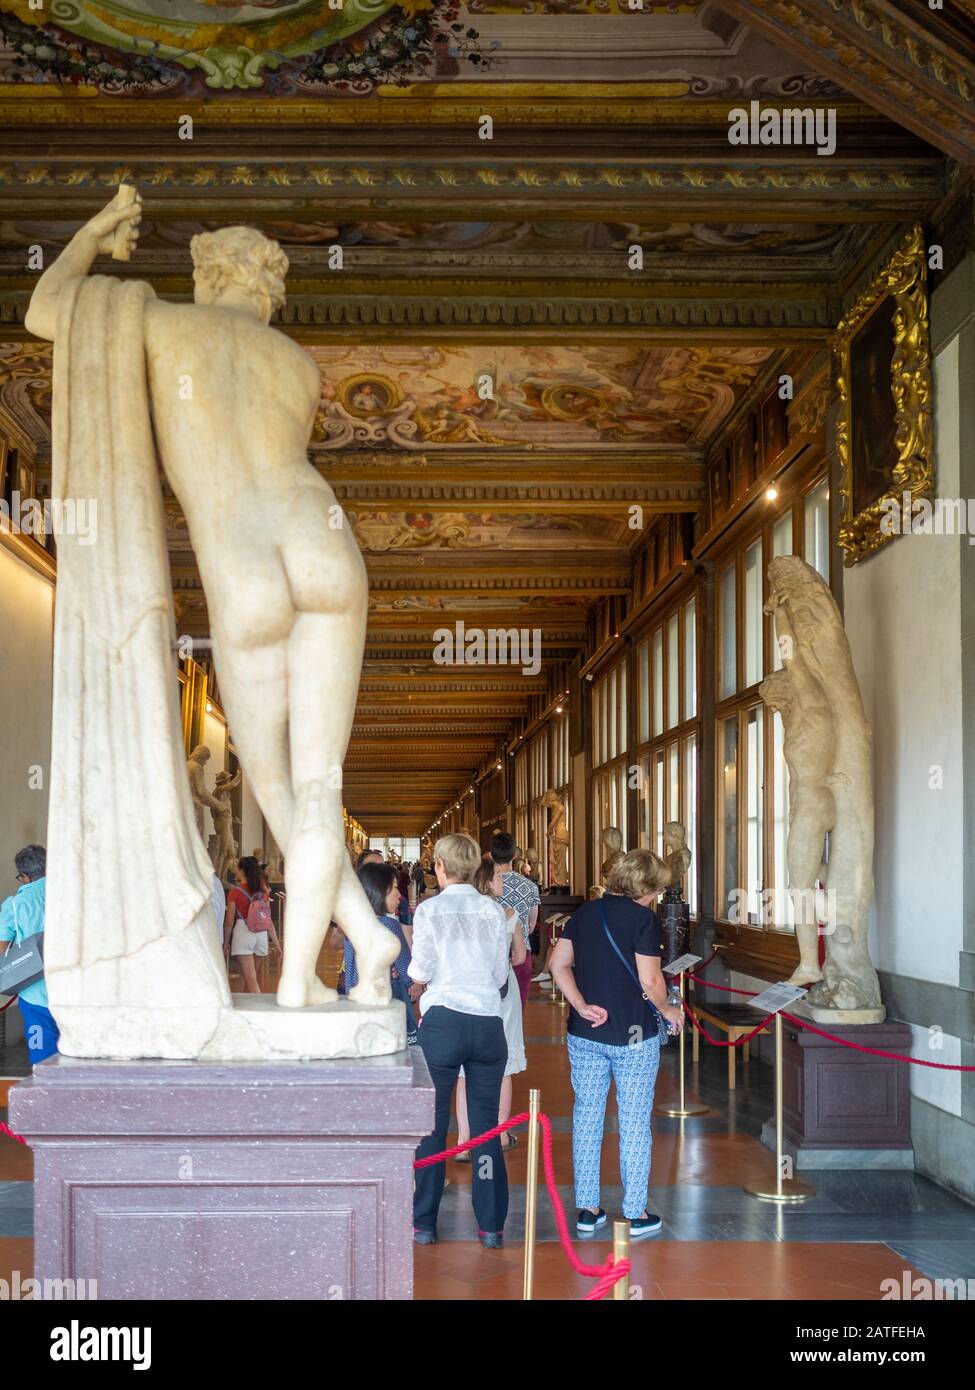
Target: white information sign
[(681, 963), (777, 997)]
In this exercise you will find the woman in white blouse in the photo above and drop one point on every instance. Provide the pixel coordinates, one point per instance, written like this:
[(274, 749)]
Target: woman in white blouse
[(461, 944), (488, 879)]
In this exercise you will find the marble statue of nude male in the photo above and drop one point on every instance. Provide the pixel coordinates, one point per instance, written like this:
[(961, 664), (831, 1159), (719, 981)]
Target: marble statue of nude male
[(232, 406)]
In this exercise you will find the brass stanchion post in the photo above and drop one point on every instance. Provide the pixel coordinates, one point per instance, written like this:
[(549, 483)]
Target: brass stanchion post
[(531, 1195), (685, 1108), (554, 994), (621, 1251), (785, 1189)]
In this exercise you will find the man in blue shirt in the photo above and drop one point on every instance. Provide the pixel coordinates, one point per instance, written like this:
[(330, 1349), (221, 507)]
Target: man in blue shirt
[(22, 916)]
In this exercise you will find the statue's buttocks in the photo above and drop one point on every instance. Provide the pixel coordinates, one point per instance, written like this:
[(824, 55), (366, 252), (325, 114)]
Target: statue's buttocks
[(233, 404)]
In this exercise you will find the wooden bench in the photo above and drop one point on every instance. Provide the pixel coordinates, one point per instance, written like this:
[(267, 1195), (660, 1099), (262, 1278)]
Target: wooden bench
[(734, 1019)]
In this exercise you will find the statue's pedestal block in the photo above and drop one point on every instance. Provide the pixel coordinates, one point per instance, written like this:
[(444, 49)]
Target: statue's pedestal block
[(843, 1108), (215, 1180), (252, 1029)]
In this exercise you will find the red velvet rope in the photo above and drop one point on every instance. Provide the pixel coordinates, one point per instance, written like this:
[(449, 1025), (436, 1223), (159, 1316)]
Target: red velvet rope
[(607, 1274), (830, 1037), (472, 1143), (5, 1129)]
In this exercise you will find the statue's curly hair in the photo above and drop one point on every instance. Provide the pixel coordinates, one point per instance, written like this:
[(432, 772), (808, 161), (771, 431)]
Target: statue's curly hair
[(244, 257)]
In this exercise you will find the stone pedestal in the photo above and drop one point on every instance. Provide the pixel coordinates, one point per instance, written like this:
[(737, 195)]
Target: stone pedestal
[(215, 1180), (675, 923), (843, 1108)]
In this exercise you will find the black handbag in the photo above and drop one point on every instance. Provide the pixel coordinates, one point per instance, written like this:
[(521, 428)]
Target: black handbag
[(663, 1029), (22, 964)]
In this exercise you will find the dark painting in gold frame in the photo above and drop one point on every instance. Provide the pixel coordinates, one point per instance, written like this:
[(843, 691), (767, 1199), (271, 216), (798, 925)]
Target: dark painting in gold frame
[(883, 380)]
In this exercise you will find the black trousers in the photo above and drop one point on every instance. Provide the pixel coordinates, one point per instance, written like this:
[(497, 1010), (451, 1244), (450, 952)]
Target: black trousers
[(452, 1040)]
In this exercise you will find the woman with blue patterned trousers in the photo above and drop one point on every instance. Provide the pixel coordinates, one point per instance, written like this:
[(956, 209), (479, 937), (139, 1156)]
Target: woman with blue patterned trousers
[(608, 945)]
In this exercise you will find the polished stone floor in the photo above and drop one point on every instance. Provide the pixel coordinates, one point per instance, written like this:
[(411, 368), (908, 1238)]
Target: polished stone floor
[(717, 1242)]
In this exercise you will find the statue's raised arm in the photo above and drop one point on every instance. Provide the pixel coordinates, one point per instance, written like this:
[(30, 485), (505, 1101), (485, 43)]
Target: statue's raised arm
[(113, 231)]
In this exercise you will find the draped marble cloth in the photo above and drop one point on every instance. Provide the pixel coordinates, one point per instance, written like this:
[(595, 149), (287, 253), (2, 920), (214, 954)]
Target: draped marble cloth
[(129, 920)]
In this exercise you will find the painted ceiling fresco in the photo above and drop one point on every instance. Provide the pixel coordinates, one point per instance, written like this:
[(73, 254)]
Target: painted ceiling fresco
[(426, 397), (386, 531), (187, 48)]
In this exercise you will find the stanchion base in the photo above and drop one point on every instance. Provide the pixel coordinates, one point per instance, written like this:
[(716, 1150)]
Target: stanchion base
[(793, 1190), (689, 1108)]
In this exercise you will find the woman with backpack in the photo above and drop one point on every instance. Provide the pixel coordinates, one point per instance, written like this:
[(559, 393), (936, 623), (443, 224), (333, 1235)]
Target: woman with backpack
[(248, 930)]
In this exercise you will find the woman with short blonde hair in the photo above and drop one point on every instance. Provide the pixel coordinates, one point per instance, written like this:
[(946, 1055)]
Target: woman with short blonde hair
[(461, 944), (636, 874), (488, 880), (607, 964), (459, 855)]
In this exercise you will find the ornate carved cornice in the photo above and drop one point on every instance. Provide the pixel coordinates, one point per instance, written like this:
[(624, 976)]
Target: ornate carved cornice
[(341, 184), (883, 56), (516, 498), (431, 311), (736, 315)]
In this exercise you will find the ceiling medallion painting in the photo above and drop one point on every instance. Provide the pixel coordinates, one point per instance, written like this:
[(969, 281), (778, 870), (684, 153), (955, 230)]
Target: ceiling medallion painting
[(280, 46), (536, 397)]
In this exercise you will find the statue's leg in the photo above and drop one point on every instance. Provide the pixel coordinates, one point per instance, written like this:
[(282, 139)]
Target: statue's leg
[(375, 947), (254, 691), (321, 883), (804, 860)]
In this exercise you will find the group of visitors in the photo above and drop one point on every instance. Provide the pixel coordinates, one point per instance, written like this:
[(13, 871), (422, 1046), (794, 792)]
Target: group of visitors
[(470, 950), (463, 973)]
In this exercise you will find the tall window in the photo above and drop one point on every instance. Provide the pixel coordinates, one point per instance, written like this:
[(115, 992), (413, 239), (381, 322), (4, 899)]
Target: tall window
[(406, 848), (538, 783), (521, 801), (610, 746), (666, 664), (752, 777)]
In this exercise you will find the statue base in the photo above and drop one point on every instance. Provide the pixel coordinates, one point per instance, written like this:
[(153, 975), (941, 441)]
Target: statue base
[(206, 1180), (839, 1018), (843, 1107), (255, 1029)]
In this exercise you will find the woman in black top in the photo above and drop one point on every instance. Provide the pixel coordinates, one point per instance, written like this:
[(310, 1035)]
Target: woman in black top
[(612, 1031)]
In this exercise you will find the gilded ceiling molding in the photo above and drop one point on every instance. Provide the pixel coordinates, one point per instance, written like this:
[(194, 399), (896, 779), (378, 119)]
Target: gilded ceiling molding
[(370, 691), (382, 179), (479, 468), (652, 497), (807, 413), (475, 320), (562, 582), (884, 57), (421, 103)]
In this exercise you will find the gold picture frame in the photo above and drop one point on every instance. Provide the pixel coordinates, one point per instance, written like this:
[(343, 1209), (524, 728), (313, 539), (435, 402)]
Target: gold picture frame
[(885, 445)]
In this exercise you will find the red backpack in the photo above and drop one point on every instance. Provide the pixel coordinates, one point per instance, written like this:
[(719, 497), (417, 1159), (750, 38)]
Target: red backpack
[(259, 914)]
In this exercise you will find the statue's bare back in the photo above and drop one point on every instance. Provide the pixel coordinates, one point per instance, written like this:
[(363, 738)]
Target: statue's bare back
[(234, 402)]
